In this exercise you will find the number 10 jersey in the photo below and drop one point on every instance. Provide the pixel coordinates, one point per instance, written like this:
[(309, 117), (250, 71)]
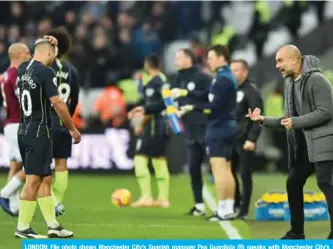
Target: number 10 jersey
[(36, 84)]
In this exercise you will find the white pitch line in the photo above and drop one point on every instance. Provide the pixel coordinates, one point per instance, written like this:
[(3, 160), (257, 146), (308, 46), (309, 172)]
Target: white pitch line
[(125, 225), (229, 229)]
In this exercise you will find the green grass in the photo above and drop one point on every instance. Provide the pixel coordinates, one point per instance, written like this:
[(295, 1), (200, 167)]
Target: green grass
[(90, 214)]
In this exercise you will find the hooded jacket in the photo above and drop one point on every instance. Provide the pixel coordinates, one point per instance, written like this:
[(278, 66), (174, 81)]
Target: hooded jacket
[(315, 119)]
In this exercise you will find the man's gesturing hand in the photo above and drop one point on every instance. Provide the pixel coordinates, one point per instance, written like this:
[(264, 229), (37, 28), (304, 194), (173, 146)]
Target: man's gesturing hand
[(76, 136), (287, 123), (255, 115)]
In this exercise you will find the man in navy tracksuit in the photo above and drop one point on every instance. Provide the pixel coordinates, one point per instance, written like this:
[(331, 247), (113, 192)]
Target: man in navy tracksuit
[(221, 127)]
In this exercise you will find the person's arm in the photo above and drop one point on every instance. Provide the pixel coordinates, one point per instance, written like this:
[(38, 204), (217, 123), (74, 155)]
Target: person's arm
[(75, 89), (158, 106), (213, 106), (197, 95), (321, 90), (271, 122), (154, 108), (254, 100)]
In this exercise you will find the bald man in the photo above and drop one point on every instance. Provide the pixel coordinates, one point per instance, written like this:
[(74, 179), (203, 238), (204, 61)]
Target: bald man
[(18, 53), (308, 122), (37, 84)]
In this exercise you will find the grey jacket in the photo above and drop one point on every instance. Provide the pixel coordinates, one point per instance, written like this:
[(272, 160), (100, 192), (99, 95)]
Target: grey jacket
[(316, 117)]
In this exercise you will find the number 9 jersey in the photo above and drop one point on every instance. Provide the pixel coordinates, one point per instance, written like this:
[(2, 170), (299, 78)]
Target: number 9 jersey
[(68, 88)]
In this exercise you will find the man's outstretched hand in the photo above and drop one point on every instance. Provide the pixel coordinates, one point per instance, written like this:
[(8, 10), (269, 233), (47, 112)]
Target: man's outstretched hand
[(255, 115)]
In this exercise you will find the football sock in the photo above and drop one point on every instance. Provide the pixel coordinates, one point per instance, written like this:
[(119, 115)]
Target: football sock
[(54, 198), (11, 187), (27, 211), (14, 200), (60, 184), (143, 175), (163, 177), (229, 203), (47, 209), (221, 208)]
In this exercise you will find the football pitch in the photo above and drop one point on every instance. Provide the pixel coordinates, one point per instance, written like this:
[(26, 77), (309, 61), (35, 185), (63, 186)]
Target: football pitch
[(90, 214)]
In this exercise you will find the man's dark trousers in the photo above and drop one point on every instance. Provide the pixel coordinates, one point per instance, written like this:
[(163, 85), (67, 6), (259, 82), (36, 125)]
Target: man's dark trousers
[(241, 161), (299, 171), (195, 157)]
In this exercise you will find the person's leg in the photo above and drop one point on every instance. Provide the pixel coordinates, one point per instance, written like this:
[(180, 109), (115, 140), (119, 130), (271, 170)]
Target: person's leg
[(298, 174), (143, 178), (61, 179), (142, 174), (13, 185), (162, 175), (219, 152), (45, 199), (224, 185), (195, 154), (246, 161), (62, 149), (14, 167), (234, 168), (157, 151), (15, 163), (45, 202), (324, 171), (27, 205)]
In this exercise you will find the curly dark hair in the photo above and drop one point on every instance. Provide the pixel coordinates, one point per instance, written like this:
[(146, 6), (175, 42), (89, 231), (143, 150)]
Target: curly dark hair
[(64, 40)]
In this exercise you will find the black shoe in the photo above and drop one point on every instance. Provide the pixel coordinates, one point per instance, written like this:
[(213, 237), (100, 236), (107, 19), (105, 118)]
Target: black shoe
[(291, 235), (28, 234), (196, 212), (242, 215), (215, 217), (59, 232), (330, 236)]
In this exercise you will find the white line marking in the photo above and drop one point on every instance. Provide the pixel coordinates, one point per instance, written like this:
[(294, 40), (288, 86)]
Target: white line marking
[(229, 229), (123, 225)]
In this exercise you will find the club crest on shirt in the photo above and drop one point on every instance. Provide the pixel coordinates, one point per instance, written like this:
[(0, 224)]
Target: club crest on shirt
[(191, 86), (240, 96), (150, 92), (55, 81), (207, 150), (211, 97)]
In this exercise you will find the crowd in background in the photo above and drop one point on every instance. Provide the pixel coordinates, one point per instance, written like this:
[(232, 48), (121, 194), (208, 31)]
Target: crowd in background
[(111, 38)]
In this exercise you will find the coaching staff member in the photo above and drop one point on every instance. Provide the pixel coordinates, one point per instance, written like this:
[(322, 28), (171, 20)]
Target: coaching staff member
[(191, 78), (248, 96), (309, 124)]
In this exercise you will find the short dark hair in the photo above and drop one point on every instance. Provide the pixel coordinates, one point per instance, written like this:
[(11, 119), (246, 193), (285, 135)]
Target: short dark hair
[(189, 54), (64, 40), (153, 61), (221, 50), (243, 62)]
